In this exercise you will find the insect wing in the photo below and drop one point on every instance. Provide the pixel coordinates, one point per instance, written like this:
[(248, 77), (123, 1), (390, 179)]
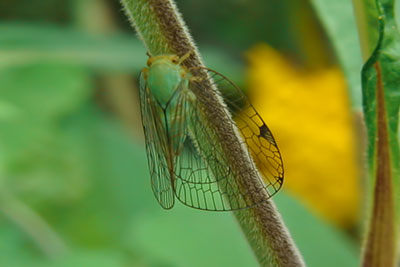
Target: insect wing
[(202, 176), (156, 146), (255, 132), (204, 179)]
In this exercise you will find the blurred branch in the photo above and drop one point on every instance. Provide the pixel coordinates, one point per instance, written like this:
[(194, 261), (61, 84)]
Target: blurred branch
[(163, 31), (32, 224)]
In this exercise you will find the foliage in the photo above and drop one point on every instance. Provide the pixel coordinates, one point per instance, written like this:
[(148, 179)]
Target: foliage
[(74, 185)]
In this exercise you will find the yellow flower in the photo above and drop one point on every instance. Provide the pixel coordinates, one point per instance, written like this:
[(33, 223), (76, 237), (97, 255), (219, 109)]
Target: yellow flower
[(310, 117)]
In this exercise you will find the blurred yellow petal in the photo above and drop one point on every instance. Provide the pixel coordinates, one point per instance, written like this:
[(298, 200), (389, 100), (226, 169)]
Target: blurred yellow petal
[(310, 117)]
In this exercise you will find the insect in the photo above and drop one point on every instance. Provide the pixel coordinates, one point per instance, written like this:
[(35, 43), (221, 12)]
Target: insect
[(185, 159)]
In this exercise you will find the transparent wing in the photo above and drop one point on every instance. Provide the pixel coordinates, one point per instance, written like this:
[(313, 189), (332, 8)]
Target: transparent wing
[(255, 132), (156, 147), (203, 179)]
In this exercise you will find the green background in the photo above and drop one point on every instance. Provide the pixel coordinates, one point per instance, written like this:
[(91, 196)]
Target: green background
[(74, 184)]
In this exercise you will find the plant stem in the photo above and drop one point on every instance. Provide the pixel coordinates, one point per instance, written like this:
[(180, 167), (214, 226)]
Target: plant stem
[(163, 31)]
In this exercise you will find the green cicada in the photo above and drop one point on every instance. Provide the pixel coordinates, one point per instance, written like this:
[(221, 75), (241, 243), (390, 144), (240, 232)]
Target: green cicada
[(185, 159)]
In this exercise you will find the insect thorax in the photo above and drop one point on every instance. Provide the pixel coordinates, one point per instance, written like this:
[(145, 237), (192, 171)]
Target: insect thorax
[(163, 79)]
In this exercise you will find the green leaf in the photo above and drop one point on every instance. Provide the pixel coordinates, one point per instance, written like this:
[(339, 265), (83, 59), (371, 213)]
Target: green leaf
[(381, 102), (338, 19)]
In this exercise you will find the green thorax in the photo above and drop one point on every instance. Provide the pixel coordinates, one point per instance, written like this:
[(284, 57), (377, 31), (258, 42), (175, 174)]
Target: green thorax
[(164, 78)]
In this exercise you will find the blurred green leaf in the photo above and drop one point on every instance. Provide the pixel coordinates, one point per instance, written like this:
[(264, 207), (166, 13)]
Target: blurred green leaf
[(26, 43), (32, 153), (44, 90), (187, 237), (340, 25)]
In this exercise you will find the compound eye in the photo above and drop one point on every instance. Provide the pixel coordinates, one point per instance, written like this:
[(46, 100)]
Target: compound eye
[(175, 59)]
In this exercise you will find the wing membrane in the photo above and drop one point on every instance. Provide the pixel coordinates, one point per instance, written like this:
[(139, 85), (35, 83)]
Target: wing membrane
[(203, 180), (156, 147), (186, 160), (203, 177), (255, 132)]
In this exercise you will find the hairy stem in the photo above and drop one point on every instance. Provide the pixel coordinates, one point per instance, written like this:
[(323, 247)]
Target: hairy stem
[(162, 30)]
